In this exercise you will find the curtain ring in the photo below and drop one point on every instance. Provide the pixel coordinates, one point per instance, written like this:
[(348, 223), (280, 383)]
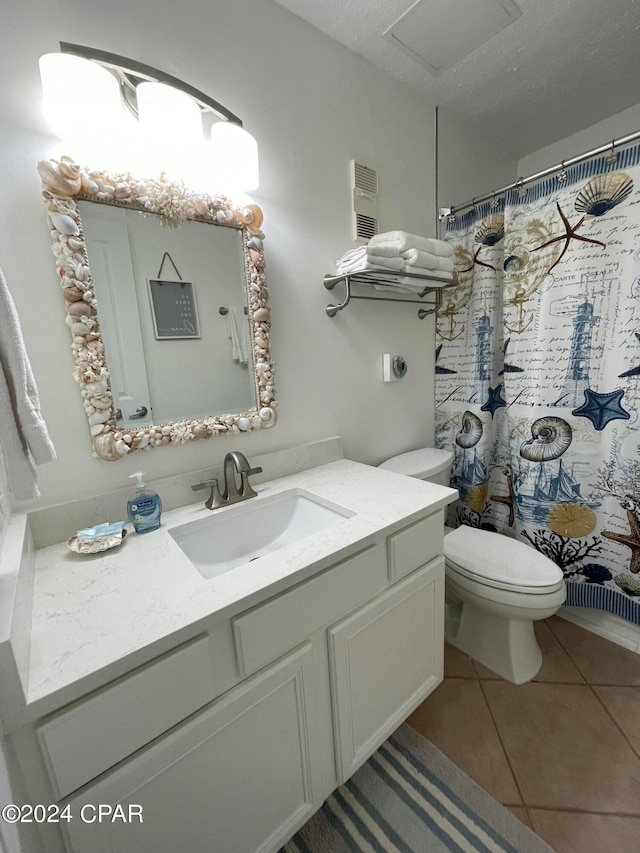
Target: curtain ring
[(473, 206), (495, 202), (451, 218), (561, 177), (520, 187), (612, 156)]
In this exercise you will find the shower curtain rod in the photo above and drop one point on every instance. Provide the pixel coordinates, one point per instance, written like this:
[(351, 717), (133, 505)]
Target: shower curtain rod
[(610, 146)]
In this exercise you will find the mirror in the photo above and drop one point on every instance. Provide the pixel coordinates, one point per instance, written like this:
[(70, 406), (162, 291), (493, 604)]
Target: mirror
[(167, 303)]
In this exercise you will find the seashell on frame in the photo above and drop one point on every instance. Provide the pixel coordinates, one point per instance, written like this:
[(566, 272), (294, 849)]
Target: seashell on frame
[(104, 446), (267, 416), (64, 223), (252, 216), (260, 315), (55, 181)]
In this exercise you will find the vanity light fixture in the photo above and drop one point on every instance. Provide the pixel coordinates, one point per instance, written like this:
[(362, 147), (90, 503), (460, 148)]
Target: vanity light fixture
[(93, 92)]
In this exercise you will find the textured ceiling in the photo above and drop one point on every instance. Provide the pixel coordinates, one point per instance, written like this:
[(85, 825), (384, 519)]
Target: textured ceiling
[(562, 66)]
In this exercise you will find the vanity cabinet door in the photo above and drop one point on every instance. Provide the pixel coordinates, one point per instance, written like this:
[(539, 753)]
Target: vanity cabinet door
[(239, 777), (385, 659)]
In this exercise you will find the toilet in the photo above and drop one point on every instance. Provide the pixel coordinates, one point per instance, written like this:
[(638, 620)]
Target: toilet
[(496, 587)]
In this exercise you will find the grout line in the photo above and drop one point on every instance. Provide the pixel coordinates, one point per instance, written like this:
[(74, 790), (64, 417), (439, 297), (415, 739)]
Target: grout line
[(613, 719), (565, 810), (565, 649), (506, 755), (615, 646)]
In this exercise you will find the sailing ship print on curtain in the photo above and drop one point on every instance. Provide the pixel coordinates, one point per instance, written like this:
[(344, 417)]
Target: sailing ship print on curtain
[(538, 374)]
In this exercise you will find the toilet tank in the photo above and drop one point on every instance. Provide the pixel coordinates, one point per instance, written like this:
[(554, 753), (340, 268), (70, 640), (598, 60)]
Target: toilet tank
[(428, 463)]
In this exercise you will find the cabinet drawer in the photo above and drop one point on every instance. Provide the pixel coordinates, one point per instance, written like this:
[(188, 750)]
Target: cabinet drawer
[(415, 545), (271, 629), (93, 734)]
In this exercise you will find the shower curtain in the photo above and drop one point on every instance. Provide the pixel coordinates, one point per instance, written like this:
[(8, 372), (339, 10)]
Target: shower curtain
[(538, 374)]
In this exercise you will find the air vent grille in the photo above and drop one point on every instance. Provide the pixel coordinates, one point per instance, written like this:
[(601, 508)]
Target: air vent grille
[(366, 227), (365, 178), (364, 193)]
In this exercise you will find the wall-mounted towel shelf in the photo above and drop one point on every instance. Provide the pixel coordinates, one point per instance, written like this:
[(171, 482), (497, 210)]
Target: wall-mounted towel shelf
[(387, 277)]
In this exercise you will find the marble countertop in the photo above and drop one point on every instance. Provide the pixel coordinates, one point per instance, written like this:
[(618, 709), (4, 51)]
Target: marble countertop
[(96, 617)]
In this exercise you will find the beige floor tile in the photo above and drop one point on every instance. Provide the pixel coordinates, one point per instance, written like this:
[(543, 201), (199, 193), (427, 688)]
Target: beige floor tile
[(456, 719), (486, 674), (563, 748), (456, 663), (575, 832), (600, 661), (623, 703), (521, 813), (556, 663)]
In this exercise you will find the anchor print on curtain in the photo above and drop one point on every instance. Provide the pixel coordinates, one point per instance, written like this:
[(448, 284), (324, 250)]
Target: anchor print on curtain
[(538, 374)]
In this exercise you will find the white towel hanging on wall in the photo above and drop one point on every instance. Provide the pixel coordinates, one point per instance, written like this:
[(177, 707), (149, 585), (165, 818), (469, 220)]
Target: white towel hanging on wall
[(24, 439)]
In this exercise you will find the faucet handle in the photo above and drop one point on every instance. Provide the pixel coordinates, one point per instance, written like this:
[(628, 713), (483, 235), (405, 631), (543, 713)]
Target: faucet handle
[(246, 489), (214, 500)]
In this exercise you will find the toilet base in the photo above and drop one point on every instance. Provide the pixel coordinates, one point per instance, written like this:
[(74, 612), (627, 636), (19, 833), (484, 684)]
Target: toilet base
[(507, 646)]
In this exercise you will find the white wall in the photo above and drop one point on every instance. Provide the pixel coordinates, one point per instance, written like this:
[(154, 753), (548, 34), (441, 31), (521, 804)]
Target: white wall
[(312, 106), (615, 127), (469, 164)]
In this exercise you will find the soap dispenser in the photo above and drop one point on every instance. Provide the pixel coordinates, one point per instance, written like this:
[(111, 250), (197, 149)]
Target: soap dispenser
[(144, 507)]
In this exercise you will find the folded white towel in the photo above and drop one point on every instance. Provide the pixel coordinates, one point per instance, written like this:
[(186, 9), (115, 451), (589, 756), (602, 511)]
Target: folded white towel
[(420, 271), (370, 262), (401, 240), (416, 258), (368, 251)]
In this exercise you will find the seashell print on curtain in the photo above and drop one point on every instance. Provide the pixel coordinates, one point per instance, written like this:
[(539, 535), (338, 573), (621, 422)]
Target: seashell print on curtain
[(538, 375)]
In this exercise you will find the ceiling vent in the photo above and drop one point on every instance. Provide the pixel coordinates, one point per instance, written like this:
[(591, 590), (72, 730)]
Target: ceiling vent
[(439, 33), (364, 186)]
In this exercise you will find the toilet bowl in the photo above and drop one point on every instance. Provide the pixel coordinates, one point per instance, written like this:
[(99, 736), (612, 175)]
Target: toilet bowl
[(496, 587)]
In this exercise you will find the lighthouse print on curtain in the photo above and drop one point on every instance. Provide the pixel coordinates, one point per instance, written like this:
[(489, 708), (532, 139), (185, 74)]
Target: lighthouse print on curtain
[(538, 374)]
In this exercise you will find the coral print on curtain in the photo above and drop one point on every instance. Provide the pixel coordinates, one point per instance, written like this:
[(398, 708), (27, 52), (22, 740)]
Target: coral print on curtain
[(538, 374)]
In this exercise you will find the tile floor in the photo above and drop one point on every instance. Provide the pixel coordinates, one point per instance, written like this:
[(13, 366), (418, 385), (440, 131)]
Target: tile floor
[(561, 752)]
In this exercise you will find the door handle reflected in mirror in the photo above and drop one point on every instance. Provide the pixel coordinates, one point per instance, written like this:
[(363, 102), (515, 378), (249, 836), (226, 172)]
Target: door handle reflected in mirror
[(140, 412)]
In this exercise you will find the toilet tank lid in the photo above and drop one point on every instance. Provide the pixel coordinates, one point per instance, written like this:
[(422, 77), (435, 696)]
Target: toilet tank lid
[(423, 463)]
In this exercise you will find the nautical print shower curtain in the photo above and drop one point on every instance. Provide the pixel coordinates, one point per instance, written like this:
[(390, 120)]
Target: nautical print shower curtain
[(538, 374)]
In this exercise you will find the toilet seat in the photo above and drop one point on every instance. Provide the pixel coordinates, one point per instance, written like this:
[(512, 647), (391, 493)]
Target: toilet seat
[(513, 566)]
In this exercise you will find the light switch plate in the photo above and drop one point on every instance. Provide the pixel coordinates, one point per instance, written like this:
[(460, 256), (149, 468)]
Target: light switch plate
[(393, 367)]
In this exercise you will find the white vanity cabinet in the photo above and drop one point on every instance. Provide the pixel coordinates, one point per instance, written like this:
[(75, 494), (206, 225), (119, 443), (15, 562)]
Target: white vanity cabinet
[(318, 676), (384, 659), (239, 776)]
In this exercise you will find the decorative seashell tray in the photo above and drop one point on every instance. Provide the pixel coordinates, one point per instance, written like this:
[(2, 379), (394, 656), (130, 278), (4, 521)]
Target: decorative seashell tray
[(93, 540)]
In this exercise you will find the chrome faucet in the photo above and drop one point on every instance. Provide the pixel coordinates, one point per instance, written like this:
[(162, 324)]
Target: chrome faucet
[(237, 462), (234, 462)]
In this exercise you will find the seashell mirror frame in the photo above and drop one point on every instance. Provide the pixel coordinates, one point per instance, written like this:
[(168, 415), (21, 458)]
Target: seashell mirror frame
[(64, 182)]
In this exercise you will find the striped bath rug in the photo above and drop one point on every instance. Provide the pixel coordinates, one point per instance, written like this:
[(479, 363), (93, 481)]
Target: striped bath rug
[(409, 798)]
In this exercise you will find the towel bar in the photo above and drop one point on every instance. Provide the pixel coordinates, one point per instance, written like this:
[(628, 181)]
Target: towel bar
[(388, 277)]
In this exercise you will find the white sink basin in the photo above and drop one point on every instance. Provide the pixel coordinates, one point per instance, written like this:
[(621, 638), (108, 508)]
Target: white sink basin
[(248, 530)]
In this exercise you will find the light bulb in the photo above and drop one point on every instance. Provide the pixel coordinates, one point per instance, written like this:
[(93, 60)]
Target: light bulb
[(81, 99), (235, 153)]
